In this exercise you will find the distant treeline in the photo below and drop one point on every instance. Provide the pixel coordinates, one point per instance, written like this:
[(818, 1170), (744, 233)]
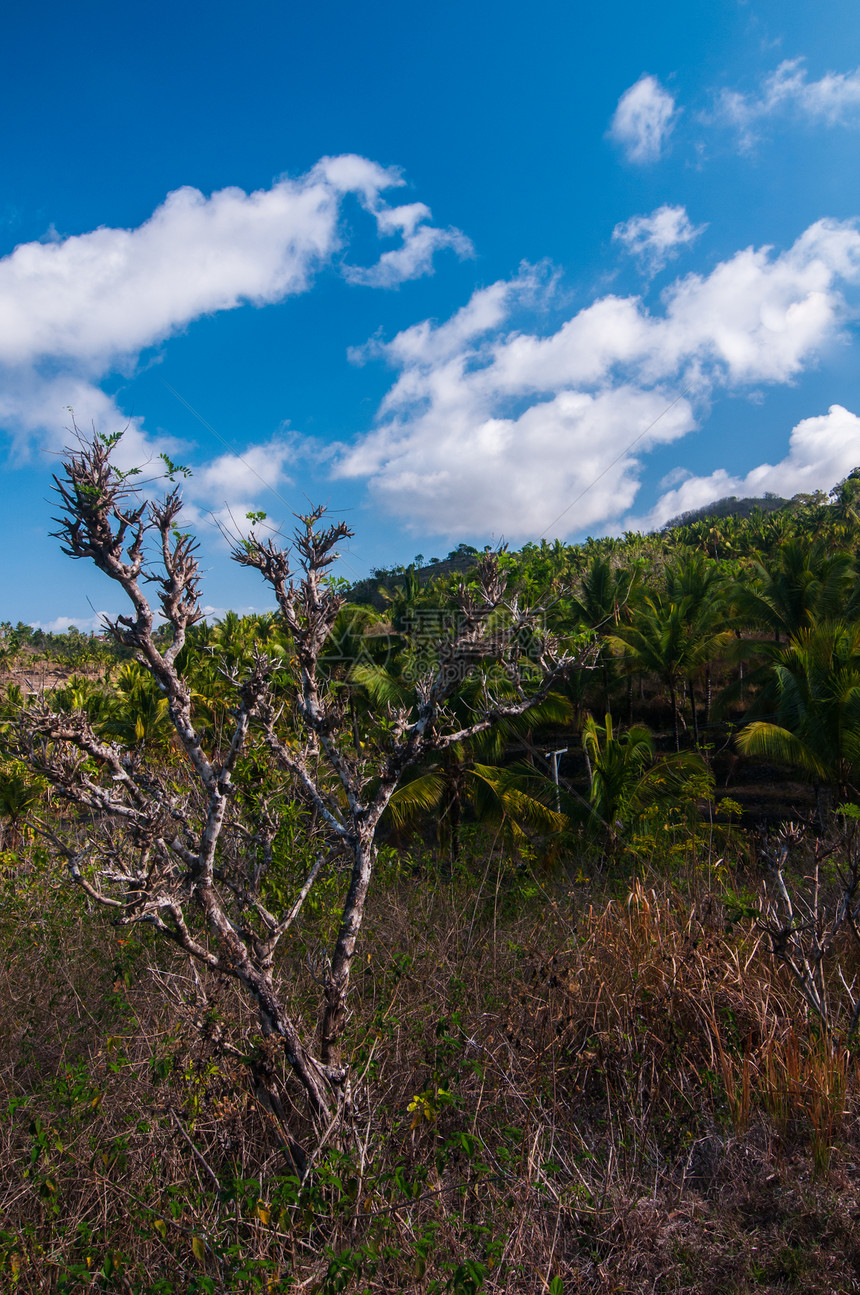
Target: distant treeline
[(730, 506)]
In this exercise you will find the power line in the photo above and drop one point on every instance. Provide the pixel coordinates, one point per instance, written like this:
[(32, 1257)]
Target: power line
[(226, 444)]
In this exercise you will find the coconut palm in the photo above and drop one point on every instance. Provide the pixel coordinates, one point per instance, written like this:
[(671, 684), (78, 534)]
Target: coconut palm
[(603, 604), (403, 598), (18, 794), (627, 782), (139, 717), (806, 584), (845, 505), (359, 636), (88, 695), (698, 586), (670, 640), (516, 799), (817, 727)]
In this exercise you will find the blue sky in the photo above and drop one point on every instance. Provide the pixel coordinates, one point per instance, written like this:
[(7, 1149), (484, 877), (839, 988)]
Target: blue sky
[(472, 272)]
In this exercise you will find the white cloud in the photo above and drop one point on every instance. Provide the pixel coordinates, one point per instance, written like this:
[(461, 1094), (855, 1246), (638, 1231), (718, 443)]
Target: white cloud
[(95, 624), (657, 239), (470, 472), (97, 297), (86, 624), (822, 451), (50, 404), (219, 492), (245, 475), (76, 309), (833, 100), (643, 120), (222, 492), (414, 258), (760, 317), (494, 429)]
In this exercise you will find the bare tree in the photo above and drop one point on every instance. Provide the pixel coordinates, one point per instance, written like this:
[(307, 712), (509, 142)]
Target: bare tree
[(191, 863), (805, 932)]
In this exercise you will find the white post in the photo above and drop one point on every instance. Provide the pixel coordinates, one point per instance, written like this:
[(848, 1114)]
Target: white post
[(554, 756)]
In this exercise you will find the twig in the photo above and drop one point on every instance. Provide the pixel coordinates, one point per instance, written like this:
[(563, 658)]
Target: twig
[(197, 1153)]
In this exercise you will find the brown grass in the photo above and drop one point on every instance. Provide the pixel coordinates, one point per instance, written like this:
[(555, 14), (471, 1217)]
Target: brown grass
[(622, 1095)]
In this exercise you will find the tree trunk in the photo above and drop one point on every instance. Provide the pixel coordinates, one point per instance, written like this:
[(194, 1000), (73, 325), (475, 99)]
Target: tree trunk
[(694, 713), (337, 980), (675, 715), (455, 812), (277, 1025)]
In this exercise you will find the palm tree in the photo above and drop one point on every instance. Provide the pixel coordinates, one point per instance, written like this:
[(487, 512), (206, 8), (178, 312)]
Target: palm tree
[(697, 585), (87, 695), (845, 505), (615, 767), (807, 584), (628, 783), (817, 728), (402, 600), (669, 640), (18, 794), (515, 798), (804, 586), (139, 717), (603, 604)]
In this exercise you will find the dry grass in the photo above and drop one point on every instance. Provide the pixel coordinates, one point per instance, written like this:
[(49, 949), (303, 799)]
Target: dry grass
[(558, 1096)]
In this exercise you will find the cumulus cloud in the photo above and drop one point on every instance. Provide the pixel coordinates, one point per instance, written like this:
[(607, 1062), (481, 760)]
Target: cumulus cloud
[(96, 297), (643, 120), (514, 476), (76, 309), (822, 450), (244, 475), (833, 100), (51, 404), (497, 429), (657, 239)]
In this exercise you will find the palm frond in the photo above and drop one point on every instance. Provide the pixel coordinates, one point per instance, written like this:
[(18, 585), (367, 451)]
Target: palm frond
[(420, 796), (380, 685), (776, 743)]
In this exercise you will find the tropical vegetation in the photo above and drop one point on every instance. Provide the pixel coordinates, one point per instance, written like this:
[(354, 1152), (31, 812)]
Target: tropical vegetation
[(594, 1023)]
